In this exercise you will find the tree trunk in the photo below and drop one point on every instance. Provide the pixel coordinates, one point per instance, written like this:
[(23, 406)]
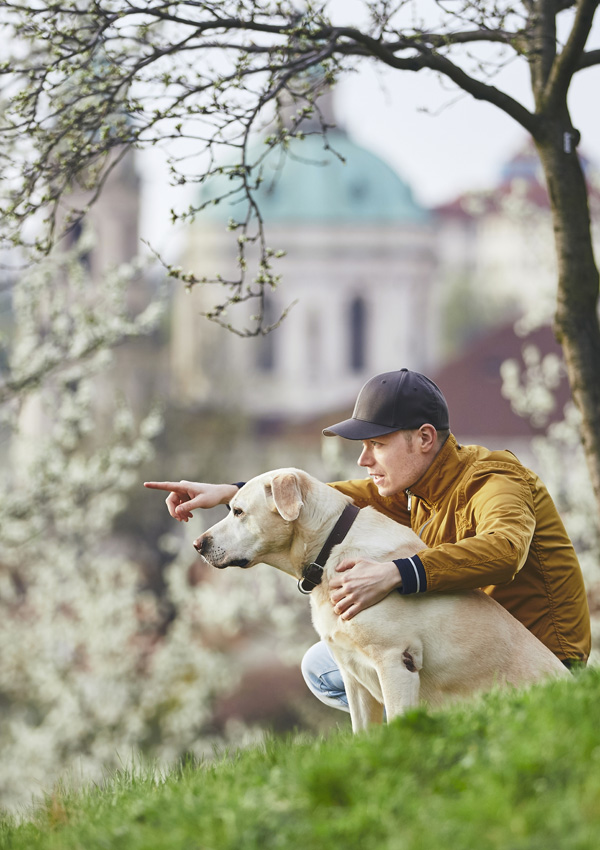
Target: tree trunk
[(576, 323)]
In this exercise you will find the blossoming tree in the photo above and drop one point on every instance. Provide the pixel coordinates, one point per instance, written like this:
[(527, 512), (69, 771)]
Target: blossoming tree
[(84, 81)]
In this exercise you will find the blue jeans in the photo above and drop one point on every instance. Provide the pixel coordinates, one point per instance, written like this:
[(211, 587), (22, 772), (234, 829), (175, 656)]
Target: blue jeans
[(323, 677)]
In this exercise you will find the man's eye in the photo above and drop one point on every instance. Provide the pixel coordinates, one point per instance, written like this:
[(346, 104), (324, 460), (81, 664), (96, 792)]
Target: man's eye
[(237, 511)]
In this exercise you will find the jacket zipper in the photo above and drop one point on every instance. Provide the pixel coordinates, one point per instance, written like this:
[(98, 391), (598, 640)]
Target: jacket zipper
[(409, 505), (424, 526)]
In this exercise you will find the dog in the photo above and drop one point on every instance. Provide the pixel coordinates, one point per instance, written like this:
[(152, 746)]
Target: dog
[(432, 648)]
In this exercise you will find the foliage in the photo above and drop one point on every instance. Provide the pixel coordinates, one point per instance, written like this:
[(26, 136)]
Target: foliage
[(81, 85), (62, 327), (531, 383), (530, 386), (85, 83), (91, 668), (512, 770)]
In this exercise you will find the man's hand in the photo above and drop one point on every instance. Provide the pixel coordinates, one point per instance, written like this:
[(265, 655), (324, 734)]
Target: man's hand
[(360, 584), (186, 496)]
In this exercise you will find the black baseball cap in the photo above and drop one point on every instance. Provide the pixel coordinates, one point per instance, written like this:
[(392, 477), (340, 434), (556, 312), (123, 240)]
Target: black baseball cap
[(394, 401)]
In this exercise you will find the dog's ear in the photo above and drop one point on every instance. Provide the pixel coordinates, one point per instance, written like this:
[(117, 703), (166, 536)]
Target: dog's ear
[(285, 490)]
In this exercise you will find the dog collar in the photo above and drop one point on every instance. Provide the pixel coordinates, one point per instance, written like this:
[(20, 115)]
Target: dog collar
[(312, 574)]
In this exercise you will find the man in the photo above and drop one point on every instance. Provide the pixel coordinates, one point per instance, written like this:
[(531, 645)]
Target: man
[(488, 522)]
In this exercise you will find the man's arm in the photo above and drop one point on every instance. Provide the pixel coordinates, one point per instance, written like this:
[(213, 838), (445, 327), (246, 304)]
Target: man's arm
[(185, 496), (496, 543), (493, 545)]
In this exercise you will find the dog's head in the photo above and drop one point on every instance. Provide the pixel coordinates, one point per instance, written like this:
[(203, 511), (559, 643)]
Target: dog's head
[(260, 526)]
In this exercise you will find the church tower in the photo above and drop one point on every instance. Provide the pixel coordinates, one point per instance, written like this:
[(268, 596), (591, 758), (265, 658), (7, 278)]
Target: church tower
[(358, 271)]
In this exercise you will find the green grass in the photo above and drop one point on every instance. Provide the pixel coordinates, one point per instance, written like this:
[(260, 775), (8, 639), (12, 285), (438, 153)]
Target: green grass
[(513, 771)]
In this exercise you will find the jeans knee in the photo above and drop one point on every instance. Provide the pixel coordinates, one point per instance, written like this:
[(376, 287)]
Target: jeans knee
[(322, 676), (311, 664)]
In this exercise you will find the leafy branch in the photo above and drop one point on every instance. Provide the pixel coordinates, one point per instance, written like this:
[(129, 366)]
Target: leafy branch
[(85, 84)]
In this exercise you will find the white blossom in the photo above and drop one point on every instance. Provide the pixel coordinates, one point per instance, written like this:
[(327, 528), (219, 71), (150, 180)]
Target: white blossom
[(90, 673), (530, 387)]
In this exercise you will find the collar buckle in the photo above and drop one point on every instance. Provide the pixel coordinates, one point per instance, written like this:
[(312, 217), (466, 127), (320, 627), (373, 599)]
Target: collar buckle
[(311, 577)]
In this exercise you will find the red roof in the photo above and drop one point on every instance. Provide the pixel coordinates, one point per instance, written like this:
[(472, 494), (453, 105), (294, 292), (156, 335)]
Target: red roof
[(522, 175), (472, 385)]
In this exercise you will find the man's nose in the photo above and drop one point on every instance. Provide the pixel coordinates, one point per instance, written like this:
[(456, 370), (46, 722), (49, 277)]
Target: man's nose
[(365, 458)]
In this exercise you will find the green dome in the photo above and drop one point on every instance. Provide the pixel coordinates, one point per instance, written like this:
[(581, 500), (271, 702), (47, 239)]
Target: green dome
[(312, 184)]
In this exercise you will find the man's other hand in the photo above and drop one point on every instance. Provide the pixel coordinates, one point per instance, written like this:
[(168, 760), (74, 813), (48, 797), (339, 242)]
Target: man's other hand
[(358, 584)]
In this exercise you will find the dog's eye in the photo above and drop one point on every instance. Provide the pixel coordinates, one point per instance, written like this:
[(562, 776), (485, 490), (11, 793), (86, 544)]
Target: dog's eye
[(237, 511)]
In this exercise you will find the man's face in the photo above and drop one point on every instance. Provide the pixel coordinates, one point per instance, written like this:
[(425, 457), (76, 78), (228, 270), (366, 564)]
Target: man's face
[(395, 461)]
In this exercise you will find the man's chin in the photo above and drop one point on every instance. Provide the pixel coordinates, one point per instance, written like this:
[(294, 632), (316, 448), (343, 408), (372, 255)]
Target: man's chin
[(386, 490), (382, 489)]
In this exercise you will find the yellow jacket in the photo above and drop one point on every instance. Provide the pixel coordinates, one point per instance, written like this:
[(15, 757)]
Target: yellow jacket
[(490, 522)]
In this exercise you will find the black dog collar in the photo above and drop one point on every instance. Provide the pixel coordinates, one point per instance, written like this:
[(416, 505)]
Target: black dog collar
[(312, 574)]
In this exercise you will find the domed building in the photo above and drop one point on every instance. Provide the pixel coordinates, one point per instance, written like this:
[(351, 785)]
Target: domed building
[(358, 270)]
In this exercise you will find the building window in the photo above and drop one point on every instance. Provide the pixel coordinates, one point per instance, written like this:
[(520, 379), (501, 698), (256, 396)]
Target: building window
[(313, 347), (73, 239), (265, 359), (358, 334)]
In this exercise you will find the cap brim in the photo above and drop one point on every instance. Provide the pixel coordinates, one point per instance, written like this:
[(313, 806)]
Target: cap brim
[(357, 429)]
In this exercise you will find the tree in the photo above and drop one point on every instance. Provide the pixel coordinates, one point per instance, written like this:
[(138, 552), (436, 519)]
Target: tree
[(89, 80), (94, 666)]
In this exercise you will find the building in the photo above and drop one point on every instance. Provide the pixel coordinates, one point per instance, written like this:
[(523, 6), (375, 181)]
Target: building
[(359, 270), (496, 253), (105, 240)]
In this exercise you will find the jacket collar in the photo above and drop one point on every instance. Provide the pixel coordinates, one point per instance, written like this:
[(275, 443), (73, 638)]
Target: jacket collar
[(446, 469)]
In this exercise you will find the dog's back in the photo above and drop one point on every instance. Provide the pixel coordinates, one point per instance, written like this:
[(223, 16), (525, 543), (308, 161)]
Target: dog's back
[(468, 641), (430, 646)]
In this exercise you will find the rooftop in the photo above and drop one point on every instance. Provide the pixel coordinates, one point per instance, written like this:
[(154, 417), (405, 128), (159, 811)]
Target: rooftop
[(333, 180)]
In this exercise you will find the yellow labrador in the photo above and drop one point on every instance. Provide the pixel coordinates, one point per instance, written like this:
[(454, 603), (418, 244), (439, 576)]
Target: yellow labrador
[(433, 647)]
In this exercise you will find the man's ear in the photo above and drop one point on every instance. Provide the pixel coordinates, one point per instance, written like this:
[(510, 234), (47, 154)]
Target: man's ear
[(427, 438), (287, 498)]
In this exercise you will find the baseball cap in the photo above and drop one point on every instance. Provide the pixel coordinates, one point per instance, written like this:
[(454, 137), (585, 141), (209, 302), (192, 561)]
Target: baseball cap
[(394, 401)]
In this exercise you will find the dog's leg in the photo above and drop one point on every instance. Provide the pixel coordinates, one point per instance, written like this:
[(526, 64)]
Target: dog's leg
[(399, 679), (364, 708)]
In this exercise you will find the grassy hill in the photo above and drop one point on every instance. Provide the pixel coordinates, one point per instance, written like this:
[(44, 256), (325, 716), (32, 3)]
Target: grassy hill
[(513, 771)]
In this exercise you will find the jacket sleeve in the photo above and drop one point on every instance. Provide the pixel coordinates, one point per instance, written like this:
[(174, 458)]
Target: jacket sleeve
[(364, 493), (494, 533)]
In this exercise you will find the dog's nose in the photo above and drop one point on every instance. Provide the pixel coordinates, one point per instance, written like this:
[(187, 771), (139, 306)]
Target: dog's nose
[(200, 544)]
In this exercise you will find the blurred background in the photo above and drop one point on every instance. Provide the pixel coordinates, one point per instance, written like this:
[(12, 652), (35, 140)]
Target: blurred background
[(116, 642)]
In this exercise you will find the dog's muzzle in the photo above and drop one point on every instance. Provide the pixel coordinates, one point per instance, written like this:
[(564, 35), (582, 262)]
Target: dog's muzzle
[(204, 545), (241, 562)]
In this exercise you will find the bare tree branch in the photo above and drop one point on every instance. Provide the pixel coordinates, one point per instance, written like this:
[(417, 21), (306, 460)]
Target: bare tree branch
[(427, 58), (567, 63), (105, 77), (589, 59)]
